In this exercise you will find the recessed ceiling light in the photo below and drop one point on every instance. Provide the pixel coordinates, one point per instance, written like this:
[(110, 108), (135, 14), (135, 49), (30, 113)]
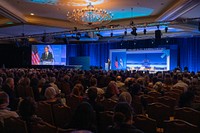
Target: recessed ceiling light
[(32, 14)]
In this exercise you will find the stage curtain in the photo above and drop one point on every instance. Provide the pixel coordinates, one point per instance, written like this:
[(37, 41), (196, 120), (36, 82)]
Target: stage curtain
[(190, 53)]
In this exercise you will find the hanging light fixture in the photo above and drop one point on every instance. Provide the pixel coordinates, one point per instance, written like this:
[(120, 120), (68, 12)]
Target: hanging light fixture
[(90, 16)]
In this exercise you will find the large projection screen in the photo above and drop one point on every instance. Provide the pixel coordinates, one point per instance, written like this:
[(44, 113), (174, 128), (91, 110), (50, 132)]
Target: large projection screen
[(48, 54)]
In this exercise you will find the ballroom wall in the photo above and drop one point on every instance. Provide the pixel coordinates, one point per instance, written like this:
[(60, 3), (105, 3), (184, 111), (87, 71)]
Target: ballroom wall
[(186, 50)]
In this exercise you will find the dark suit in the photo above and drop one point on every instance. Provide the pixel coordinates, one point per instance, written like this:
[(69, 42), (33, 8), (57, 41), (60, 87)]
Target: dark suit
[(46, 57), (13, 100)]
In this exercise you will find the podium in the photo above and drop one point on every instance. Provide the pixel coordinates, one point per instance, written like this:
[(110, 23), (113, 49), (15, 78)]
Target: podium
[(47, 63)]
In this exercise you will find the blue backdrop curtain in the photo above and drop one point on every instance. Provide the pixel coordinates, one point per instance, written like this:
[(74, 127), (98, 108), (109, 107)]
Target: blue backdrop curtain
[(189, 53), (98, 52)]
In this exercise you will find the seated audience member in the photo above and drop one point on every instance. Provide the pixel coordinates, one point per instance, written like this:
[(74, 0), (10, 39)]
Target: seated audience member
[(83, 118), (112, 91), (127, 84), (119, 81), (187, 100), (123, 120), (4, 111), (27, 113), (93, 83), (51, 95), (52, 84), (78, 90), (168, 81), (125, 97), (181, 84), (9, 89), (1, 83), (158, 87), (92, 97), (135, 89), (24, 89)]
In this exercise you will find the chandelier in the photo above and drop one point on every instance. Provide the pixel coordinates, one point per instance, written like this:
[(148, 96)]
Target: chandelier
[(90, 16)]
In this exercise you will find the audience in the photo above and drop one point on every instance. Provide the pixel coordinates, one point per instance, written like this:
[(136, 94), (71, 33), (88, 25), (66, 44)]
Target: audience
[(90, 89)]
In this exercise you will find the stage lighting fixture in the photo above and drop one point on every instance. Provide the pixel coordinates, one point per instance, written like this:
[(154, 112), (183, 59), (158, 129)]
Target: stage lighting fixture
[(78, 36), (125, 32), (99, 35), (145, 31), (75, 28), (131, 23), (134, 31), (199, 26), (111, 34), (158, 34), (166, 29)]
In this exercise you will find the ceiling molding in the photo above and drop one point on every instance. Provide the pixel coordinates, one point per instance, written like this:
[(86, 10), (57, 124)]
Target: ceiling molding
[(177, 9), (10, 12)]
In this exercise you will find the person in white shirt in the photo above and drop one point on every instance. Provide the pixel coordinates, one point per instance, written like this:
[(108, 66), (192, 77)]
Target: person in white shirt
[(181, 84), (4, 111)]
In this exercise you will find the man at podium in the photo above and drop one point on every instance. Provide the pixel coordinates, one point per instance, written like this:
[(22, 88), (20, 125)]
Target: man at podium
[(47, 57)]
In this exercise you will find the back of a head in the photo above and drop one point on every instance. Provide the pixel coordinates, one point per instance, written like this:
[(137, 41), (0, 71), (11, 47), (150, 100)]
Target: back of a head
[(125, 97), (93, 82), (135, 89), (92, 93), (27, 108), (118, 78), (123, 113), (52, 79), (83, 116), (50, 93), (9, 81), (4, 100), (179, 77)]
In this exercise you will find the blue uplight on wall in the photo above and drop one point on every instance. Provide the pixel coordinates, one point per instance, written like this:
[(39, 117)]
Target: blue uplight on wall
[(137, 12)]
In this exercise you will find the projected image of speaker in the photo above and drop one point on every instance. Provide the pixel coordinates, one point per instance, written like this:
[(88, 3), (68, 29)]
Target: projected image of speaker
[(158, 34)]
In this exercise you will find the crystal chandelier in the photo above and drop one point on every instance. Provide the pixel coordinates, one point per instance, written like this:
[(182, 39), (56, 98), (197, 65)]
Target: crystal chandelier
[(90, 16)]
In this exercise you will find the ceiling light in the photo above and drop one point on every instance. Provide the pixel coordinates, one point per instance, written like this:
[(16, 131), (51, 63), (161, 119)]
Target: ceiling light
[(32, 14), (90, 16)]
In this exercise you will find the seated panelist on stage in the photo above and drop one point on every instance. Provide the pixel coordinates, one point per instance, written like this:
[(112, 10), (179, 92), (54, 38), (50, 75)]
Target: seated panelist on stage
[(46, 56)]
